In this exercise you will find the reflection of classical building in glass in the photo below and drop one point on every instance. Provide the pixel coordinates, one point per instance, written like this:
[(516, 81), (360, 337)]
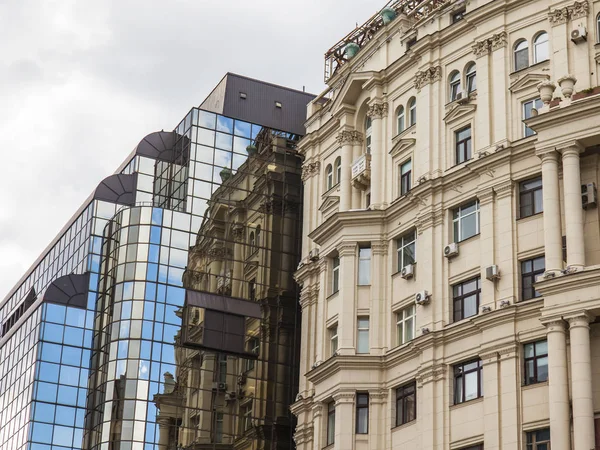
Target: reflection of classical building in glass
[(88, 334), (237, 373)]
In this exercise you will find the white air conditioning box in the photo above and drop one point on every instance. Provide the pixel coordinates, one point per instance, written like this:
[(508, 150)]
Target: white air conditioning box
[(408, 271), (492, 272), (589, 195), (579, 34), (451, 250), (422, 298)]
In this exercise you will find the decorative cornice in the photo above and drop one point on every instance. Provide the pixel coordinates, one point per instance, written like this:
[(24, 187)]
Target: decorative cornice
[(428, 76), (555, 325), (317, 410), (429, 374), (481, 48), (485, 196), (504, 190), (499, 40), (348, 137), (347, 249), (488, 45), (558, 16), (310, 169), (344, 397), (561, 16), (379, 247), (378, 110), (579, 9), (237, 230)]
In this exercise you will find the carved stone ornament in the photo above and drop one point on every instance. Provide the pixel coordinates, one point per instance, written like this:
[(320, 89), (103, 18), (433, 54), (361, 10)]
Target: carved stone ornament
[(499, 40), (238, 232), (378, 110), (481, 48), (310, 169), (575, 11), (428, 76), (495, 42), (350, 137), (559, 16), (579, 9)]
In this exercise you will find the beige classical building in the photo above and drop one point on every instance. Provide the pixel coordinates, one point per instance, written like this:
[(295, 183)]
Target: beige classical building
[(451, 271)]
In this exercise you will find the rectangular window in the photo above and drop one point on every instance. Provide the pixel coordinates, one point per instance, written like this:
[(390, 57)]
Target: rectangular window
[(405, 177), (362, 413), (466, 297), (538, 439), (362, 337), (406, 404), (246, 412), (468, 381), (222, 368), (252, 346), (330, 423), (406, 250), (530, 197), (335, 278), (530, 270), (252, 290), (463, 145), (405, 325), (466, 221), (536, 362), (333, 339), (364, 266), (528, 113)]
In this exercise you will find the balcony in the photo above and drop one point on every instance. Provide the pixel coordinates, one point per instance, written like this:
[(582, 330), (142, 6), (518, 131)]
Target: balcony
[(361, 172)]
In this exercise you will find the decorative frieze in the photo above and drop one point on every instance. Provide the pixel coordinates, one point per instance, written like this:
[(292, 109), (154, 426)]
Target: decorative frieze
[(428, 76), (310, 169), (378, 110), (495, 42), (351, 137), (561, 16)]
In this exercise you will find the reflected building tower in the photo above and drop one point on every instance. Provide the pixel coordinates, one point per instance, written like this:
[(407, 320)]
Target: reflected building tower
[(90, 351)]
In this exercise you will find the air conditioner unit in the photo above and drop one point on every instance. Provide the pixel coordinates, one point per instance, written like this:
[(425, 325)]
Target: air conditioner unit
[(459, 96), (219, 386), (230, 396), (314, 254), (408, 271), (589, 195), (492, 272), (579, 34), (422, 298), (451, 250)]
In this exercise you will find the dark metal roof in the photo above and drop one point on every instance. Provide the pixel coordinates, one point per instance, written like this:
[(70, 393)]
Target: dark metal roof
[(118, 189), (69, 290), (259, 105)]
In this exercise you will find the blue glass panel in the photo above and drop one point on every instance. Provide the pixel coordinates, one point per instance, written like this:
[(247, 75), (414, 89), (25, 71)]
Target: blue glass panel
[(158, 331), (144, 372), (44, 412), (126, 310), (159, 311), (77, 437), (176, 276), (122, 349), (80, 417), (155, 235), (87, 339), (69, 375), (175, 295), (97, 245), (145, 350), (76, 317), (67, 395), (71, 355), (162, 273), (128, 290), (65, 415), (83, 377), (91, 303), (51, 352), (55, 313), (42, 433), (255, 130), (152, 274), (46, 392), (147, 330), (82, 398), (89, 319), (153, 253), (170, 316), (48, 372), (205, 119), (155, 374), (168, 354), (161, 293), (225, 124), (156, 351), (36, 446), (243, 128), (94, 263), (149, 310), (85, 358), (157, 215), (52, 332), (124, 329), (63, 436), (150, 291), (93, 281), (74, 335), (170, 332)]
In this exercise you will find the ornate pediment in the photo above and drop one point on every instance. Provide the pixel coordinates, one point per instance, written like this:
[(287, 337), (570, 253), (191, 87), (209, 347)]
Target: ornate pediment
[(459, 111), (352, 88), (401, 146), (528, 81), (329, 203)]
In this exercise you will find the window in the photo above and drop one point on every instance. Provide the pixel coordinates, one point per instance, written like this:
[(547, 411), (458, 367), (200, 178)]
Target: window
[(338, 169), (405, 177), (530, 270), (530, 197), (362, 338), (411, 43), (468, 381), (368, 130), (246, 412), (252, 346), (252, 242), (258, 236), (329, 176), (521, 54), (598, 28), (454, 85), (330, 423), (362, 413), (458, 15), (463, 145), (539, 439), (333, 339), (335, 279), (540, 48), (252, 290), (536, 362), (466, 221), (406, 249), (466, 297), (405, 325), (412, 112), (222, 368), (406, 404), (364, 266), (471, 78), (528, 113), (400, 119)]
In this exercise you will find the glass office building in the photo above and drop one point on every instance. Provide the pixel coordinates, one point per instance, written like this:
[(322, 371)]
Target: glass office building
[(91, 336)]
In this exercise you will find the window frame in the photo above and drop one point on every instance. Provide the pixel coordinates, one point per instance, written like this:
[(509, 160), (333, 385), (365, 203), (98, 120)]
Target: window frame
[(253, 345), (405, 178), (463, 147), (412, 111), (404, 242), (598, 28), (531, 194), (535, 103), (532, 275), (517, 50), (402, 318), (532, 435), (400, 120), (328, 177), (335, 275), (330, 435), (460, 374), (535, 377), (246, 413), (364, 264), (364, 397), (403, 394), (458, 218), (471, 78), (362, 331), (537, 45), (337, 167), (454, 85), (462, 296), (333, 338), (368, 134)]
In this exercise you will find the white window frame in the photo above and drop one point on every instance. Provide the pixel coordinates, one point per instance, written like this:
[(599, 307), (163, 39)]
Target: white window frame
[(368, 134), (456, 222), (516, 49), (404, 316), (364, 264), (337, 167), (537, 44), (412, 112), (471, 78), (362, 334), (401, 244), (333, 339), (400, 119), (335, 275), (329, 177), (247, 416), (454, 85), (402, 168), (535, 103)]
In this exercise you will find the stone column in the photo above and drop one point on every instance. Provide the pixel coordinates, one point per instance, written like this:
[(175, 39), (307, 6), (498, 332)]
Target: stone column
[(500, 65), (321, 301), (559, 38), (378, 424), (318, 429), (163, 432), (481, 49), (573, 209), (504, 241), (510, 391), (347, 301), (344, 139), (558, 385), (552, 226), (379, 271), (581, 382), (344, 420), (491, 400), (237, 283), (377, 111), (306, 343)]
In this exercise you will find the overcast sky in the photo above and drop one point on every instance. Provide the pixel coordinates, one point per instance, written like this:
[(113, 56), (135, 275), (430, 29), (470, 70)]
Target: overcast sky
[(81, 83)]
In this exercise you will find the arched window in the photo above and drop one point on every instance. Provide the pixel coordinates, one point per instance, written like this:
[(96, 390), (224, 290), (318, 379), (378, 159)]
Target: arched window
[(598, 28), (400, 119), (329, 175), (521, 54), (412, 112), (454, 85), (471, 78), (251, 241), (368, 127), (338, 169), (540, 48), (258, 235)]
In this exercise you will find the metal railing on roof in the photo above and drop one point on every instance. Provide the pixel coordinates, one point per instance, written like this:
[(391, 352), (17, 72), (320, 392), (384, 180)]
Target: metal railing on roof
[(415, 9)]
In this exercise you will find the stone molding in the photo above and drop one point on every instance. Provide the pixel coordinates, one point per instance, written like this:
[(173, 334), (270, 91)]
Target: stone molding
[(427, 76), (378, 110), (317, 410), (348, 137), (310, 169), (481, 48), (342, 397), (378, 395), (488, 45), (379, 247), (347, 249), (499, 40), (555, 325), (485, 196), (580, 319), (430, 374), (561, 16), (504, 190)]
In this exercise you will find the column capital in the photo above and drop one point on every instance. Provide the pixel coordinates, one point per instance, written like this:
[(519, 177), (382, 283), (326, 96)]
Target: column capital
[(349, 137), (504, 189), (237, 231), (346, 249), (378, 110), (485, 196), (310, 169), (379, 247), (548, 154), (481, 48), (571, 148), (499, 40), (427, 76), (554, 324), (378, 395), (163, 422), (579, 319), (342, 397), (317, 410)]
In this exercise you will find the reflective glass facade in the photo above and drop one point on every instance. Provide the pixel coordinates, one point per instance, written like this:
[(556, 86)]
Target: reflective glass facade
[(91, 352)]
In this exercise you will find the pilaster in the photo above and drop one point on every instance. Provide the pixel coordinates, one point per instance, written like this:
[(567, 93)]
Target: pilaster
[(552, 216), (378, 111), (344, 419), (573, 208), (347, 307)]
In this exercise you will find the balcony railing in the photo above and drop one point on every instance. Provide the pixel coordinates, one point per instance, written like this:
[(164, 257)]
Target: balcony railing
[(361, 172)]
